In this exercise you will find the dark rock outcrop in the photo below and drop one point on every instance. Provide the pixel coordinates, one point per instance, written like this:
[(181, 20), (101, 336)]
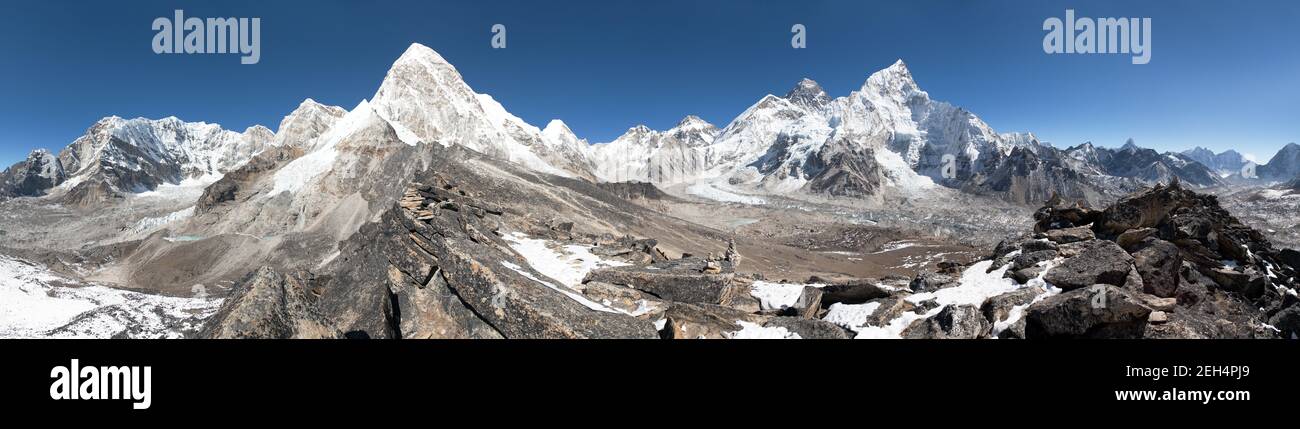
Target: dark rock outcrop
[(266, 304), (433, 266), (1101, 262), (1099, 311), (687, 280), (1168, 248)]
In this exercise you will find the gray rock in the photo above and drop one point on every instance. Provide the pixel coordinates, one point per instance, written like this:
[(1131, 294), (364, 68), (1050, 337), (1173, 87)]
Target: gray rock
[(1248, 282), (889, 309), (997, 308), (853, 293), (432, 311), (1130, 239), (1157, 317), (266, 304), (1158, 262), (928, 281), (1098, 311), (1101, 262), (682, 280), (809, 303), (953, 322), (809, 329), (456, 277), (1031, 259), (642, 305), (1070, 235), (704, 321)]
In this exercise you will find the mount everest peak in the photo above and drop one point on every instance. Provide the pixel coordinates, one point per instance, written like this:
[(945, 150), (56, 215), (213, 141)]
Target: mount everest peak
[(808, 93)]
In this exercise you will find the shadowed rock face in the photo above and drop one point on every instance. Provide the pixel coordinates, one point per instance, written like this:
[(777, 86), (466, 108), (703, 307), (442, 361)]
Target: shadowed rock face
[(32, 176), (1284, 165), (231, 186), (842, 169)]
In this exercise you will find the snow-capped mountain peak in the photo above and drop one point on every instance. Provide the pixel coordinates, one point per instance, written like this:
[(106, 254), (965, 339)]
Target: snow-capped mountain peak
[(423, 55), (1130, 146), (896, 82), (557, 129), (808, 93), (425, 99), (307, 122), (692, 122)]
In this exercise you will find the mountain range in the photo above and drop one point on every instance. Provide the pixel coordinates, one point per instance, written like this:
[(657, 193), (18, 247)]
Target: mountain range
[(887, 138)]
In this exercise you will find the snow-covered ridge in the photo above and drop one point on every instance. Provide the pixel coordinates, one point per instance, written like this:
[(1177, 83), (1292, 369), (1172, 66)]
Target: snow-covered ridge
[(679, 154)]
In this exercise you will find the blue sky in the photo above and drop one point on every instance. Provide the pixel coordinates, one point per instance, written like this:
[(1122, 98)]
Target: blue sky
[(1223, 74)]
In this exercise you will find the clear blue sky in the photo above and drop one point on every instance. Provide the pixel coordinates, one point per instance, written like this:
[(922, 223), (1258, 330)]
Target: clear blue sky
[(1223, 74)]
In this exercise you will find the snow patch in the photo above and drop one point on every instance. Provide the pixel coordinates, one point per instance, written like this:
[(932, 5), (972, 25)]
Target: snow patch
[(753, 331), (852, 316), (776, 296), (568, 265), (37, 303), (571, 294)]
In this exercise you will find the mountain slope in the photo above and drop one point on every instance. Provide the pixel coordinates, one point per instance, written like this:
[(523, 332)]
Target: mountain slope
[(1285, 165), (1224, 163)]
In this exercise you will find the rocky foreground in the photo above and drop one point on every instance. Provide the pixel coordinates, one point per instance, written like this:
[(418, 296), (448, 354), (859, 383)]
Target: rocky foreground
[(445, 262)]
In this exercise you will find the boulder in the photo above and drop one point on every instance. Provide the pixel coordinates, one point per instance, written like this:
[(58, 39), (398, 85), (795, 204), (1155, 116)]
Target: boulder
[(1248, 282), (1158, 262), (809, 303), (1131, 238), (1056, 216), (738, 295), (634, 302), (1037, 245), (1014, 332), (1157, 317), (997, 308), (1159, 304), (1290, 258), (1101, 262), (809, 329), (704, 321), (1024, 275), (853, 293), (953, 322), (1070, 235), (1287, 322), (1098, 311), (889, 309), (1031, 259), (681, 280), (928, 281)]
